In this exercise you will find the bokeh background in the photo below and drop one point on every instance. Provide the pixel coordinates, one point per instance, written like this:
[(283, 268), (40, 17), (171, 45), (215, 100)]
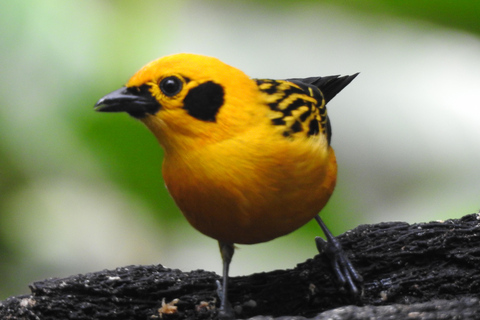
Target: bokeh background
[(82, 191)]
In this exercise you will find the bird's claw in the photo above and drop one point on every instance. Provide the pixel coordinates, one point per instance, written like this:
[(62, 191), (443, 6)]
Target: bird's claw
[(225, 312), (342, 267)]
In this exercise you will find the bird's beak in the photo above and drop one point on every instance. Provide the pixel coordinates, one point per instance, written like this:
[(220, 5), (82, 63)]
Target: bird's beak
[(136, 101)]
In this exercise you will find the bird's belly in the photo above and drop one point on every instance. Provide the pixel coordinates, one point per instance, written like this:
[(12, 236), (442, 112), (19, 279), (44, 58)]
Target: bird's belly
[(253, 205)]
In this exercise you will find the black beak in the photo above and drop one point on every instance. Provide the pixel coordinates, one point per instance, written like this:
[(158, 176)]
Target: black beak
[(136, 101)]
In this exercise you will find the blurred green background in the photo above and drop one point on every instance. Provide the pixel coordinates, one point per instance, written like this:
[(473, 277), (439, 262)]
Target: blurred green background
[(82, 191)]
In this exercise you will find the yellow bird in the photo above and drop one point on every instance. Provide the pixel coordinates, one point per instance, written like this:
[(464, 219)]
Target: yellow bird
[(246, 160)]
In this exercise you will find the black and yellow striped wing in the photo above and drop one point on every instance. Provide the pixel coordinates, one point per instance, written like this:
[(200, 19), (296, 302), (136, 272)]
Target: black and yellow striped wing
[(299, 105)]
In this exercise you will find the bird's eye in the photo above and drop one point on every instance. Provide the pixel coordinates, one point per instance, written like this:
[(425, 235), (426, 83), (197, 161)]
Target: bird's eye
[(170, 86)]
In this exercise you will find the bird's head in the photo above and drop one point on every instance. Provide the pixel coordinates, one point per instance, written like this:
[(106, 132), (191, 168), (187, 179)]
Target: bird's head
[(187, 99)]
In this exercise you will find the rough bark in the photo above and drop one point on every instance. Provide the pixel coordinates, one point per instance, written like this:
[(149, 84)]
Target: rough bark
[(419, 271)]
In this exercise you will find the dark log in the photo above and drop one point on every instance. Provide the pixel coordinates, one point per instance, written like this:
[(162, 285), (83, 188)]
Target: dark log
[(419, 271)]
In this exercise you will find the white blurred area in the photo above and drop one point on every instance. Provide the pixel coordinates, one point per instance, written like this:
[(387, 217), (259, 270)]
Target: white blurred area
[(406, 133)]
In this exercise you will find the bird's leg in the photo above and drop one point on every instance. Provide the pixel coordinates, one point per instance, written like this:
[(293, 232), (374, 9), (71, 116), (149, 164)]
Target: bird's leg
[(343, 268), (225, 311)]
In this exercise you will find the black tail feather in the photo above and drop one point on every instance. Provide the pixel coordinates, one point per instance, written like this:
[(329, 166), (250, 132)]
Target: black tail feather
[(330, 85)]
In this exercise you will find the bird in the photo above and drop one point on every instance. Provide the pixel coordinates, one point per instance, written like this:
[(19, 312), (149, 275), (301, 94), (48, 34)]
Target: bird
[(246, 160)]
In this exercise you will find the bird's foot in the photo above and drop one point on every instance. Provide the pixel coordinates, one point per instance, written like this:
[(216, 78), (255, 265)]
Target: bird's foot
[(225, 312), (342, 267)]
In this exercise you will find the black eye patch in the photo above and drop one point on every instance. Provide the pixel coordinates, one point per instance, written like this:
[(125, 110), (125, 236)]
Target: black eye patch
[(204, 101)]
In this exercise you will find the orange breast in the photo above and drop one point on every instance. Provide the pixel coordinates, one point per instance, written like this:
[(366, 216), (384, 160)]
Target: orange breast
[(236, 195)]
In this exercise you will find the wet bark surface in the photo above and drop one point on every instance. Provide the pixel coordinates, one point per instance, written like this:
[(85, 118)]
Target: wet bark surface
[(415, 271)]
